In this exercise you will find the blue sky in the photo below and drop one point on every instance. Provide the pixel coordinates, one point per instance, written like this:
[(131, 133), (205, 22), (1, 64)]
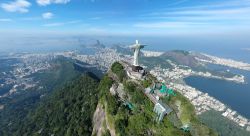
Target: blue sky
[(126, 17)]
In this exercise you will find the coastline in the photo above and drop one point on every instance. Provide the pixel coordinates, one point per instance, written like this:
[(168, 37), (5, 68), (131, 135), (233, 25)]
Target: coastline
[(211, 102), (203, 102)]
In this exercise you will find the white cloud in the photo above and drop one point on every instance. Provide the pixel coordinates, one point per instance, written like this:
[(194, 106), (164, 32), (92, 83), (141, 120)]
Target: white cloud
[(95, 18), (16, 6), (159, 25), (246, 49), (61, 23), (48, 2), (74, 22), (47, 15), (54, 24), (5, 20), (211, 12), (30, 18), (230, 15)]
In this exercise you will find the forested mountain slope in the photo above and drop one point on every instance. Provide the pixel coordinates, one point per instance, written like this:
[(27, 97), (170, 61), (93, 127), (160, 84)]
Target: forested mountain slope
[(67, 111)]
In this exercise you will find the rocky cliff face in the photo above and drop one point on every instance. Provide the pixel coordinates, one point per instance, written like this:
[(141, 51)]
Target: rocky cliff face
[(99, 120)]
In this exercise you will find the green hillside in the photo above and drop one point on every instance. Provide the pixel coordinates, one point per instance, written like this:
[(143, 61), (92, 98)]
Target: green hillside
[(18, 105), (137, 117), (222, 125), (68, 111)]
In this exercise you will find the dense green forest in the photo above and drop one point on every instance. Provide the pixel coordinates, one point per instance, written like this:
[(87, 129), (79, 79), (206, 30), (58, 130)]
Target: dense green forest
[(222, 125), (118, 69), (19, 105), (67, 111), (139, 120)]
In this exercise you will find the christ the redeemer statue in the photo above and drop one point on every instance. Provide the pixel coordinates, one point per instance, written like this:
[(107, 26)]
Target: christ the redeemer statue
[(137, 46)]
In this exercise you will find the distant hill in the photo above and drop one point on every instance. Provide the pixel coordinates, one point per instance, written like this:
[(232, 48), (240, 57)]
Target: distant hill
[(122, 50), (98, 44), (92, 44), (181, 57)]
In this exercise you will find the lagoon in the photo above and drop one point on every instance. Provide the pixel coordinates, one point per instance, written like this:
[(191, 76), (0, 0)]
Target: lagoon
[(235, 95)]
